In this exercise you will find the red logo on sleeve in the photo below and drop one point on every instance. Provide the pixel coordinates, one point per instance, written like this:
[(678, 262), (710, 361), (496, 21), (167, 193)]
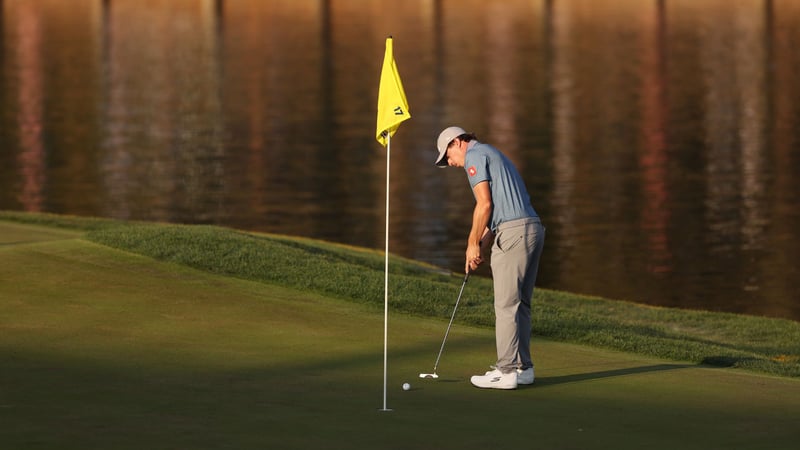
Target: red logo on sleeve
[(471, 171)]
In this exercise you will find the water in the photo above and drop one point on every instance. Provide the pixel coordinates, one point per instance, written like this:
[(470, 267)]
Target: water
[(660, 139)]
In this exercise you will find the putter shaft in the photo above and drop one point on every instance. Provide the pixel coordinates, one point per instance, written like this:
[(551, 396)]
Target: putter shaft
[(436, 365)]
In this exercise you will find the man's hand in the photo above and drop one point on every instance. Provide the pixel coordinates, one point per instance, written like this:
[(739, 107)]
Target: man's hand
[(474, 258)]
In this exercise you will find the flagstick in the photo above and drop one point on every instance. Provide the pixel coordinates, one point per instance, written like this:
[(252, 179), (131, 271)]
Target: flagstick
[(386, 273)]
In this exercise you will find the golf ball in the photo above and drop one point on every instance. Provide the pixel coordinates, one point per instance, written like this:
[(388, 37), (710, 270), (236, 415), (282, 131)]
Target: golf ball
[(406, 386)]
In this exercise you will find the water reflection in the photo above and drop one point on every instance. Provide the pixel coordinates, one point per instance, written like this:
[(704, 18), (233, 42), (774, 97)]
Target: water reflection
[(659, 138), (653, 156), (162, 147), (29, 115)]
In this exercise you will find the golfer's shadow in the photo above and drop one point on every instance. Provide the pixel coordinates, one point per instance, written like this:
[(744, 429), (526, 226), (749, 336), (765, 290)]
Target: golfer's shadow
[(451, 380), (576, 378)]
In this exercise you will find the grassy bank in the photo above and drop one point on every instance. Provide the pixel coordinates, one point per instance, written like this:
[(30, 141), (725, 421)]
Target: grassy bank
[(760, 344)]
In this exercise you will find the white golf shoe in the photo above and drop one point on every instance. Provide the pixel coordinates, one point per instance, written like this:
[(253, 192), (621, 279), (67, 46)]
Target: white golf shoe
[(525, 376), (495, 379)]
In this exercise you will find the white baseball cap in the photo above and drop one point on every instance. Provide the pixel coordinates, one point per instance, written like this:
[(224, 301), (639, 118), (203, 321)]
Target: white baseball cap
[(445, 138)]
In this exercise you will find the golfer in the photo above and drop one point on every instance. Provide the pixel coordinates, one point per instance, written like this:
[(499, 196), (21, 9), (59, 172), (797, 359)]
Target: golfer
[(503, 213)]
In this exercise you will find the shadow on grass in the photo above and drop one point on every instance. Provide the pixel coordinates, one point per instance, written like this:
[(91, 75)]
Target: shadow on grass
[(726, 361), (590, 376)]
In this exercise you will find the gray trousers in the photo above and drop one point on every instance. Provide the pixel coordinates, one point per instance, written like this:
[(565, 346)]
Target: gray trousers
[(515, 257)]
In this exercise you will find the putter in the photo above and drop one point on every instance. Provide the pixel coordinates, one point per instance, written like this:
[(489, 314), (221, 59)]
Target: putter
[(436, 365)]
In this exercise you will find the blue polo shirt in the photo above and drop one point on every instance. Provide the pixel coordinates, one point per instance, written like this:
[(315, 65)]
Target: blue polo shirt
[(510, 199)]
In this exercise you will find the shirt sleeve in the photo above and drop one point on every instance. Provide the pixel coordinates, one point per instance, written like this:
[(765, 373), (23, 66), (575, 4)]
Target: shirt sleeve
[(477, 167)]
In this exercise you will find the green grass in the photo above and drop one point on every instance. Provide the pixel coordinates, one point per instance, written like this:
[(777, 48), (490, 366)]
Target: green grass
[(102, 348), (765, 345)]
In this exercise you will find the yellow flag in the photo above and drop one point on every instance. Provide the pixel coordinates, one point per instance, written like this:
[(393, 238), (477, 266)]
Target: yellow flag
[(392, 103)]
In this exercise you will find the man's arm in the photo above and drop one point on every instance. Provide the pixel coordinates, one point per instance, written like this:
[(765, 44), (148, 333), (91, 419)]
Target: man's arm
[(480, 220)]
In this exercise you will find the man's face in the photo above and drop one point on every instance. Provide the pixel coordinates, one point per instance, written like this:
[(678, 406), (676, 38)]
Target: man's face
[(456, 152)]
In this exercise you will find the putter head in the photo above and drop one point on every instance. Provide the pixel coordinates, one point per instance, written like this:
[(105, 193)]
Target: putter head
[(428, 375)]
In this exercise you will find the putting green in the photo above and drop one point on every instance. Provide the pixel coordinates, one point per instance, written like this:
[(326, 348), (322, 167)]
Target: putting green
[(104, 349), (15, 234)]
